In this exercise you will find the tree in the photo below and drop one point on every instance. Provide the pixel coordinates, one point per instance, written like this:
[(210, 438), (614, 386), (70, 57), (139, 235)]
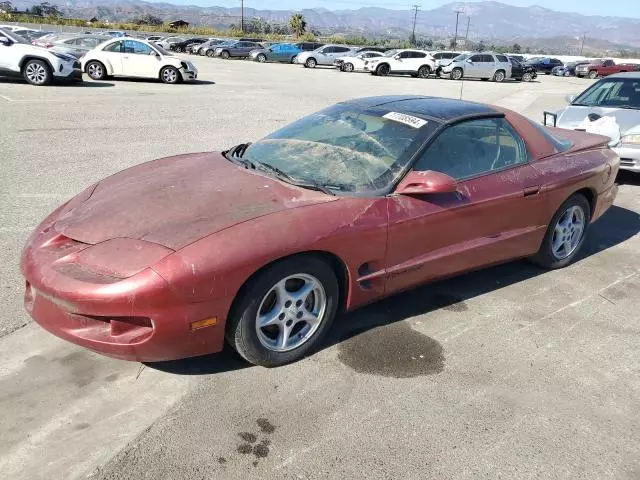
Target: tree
[(440, 46), (45, 9), (298, 24), (481, 47), (516, 48), (527, 50), (412, 39), (147, 19), (6, 7)]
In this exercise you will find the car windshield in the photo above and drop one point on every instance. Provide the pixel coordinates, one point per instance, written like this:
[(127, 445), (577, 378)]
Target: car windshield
[(390, 53), (612, 92), (12, 36), (460, 58), (343, 148), (160, 49)]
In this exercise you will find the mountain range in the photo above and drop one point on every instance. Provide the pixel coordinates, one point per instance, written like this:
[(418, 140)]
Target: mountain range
[(488, 19)]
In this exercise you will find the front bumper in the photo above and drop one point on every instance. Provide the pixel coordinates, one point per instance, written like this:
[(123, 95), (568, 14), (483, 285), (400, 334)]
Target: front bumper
[(139, 318), (629, 158), (189, 73)]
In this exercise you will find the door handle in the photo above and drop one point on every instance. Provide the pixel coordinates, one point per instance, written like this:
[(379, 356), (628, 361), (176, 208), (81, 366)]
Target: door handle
[(531, 191)]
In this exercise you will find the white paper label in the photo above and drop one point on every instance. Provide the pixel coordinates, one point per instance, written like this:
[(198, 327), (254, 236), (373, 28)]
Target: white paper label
[(410, 120)]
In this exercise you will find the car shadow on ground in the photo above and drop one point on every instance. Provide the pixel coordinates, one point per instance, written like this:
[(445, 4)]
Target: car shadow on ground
[(616, 226), (626, 177), (59, 83), (158, 81)]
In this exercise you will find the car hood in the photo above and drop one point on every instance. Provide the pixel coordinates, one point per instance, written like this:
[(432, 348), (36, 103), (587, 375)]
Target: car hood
[(573, 115), (175, 201)]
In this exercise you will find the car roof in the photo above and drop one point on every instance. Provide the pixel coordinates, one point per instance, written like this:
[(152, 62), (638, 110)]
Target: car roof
[(634, 75), (442, 109)]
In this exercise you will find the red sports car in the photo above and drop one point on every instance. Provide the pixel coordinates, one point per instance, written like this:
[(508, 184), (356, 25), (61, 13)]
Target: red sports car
[(265, 243)]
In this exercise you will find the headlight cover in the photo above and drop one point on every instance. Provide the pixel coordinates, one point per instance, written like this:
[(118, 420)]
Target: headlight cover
[(62, 56), (633, 140)]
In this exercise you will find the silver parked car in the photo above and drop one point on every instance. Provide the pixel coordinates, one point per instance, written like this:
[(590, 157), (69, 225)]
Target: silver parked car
[(76, 45), (486, 65), (324, 55)]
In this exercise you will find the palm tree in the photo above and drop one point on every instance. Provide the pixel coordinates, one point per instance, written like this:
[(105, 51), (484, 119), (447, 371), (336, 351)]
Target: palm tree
[(298, 24)]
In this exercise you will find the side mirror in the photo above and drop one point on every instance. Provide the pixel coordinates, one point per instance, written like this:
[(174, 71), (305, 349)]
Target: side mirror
[(396, 57), (570, 98), (469, 60), (7, 42), (424, 183)]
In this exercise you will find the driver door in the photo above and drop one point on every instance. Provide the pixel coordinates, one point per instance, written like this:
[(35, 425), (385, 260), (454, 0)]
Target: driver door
[(474, 66), (494, 215), (113, 54), (139, 60)]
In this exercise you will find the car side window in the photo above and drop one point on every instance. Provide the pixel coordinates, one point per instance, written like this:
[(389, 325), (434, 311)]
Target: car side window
[(328, 50), (488, 59), (473, 148), (115, 47), (438, 56), (136, 48), (608, 63), (419, 55), (502, 58), (405, 55), (476, 58), (342, 49)]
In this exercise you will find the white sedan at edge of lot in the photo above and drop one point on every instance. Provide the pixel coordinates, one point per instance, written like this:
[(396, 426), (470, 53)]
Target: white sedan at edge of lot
[(127, 57)]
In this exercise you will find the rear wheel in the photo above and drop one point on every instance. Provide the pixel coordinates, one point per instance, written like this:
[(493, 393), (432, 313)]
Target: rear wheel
[(383, 70), (209, 53), (225, 54), (593, 74), (261, 58), (282, 314), (96, 70), (499, 76), (456, 74), (37, 72), (424, 71), (565, 234)]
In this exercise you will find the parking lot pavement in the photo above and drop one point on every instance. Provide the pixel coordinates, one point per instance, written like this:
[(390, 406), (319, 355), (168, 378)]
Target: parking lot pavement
[(511, 372)]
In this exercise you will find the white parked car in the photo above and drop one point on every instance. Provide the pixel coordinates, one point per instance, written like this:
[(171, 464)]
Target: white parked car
[(168, 41), (416, 63), (485, 65), (37, 65), (355, 62), (324, 55), (136, 58)]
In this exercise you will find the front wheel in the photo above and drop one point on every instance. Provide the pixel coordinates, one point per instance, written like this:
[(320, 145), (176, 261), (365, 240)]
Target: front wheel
[(424, 71), (282, 314), (225, 54), (37, 72), (262, 58), (593, 74), (209, 53), (526, 77), (310, 63), (170, 75), (566, 234), (383, 70), (456, 74), (347, 67)]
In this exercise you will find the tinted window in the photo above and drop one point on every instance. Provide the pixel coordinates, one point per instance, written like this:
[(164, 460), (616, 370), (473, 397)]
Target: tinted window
[(328, 50), (474, 148), (405, 55), (487, 59), (136, 47), (555, 61), (476, 58), (502, 58), (114, 47), (341, 49), (438, 56), (418, 55), (608, 63)]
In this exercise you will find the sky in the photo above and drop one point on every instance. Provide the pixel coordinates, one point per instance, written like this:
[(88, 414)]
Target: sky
[(618, 8)]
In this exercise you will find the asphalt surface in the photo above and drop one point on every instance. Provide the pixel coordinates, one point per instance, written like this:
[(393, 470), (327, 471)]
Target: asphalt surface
[(512, 372)]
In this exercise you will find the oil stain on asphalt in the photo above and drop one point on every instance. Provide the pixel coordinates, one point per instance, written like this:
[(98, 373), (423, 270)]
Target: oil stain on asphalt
[(249, 445), (394, 350)]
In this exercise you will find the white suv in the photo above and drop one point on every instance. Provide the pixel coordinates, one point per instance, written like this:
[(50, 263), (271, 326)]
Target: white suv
[(325, 55), (416, 63), (37, 65)]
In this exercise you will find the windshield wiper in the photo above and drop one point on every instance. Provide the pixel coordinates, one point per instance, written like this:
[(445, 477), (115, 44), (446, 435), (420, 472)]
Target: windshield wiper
[(234, 154), (289, 179)]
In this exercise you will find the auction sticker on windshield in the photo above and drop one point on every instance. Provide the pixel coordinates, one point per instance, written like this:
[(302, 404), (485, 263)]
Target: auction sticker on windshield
[(410, 120)]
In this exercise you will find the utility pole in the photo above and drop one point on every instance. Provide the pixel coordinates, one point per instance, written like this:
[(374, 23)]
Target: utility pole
[(466, 37), (415, 17), (582, 46), (242, 16), (455, 37)]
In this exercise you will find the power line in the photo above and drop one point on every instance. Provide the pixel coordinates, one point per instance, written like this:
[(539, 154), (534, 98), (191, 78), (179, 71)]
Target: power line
[(455, 37), (415, 17)]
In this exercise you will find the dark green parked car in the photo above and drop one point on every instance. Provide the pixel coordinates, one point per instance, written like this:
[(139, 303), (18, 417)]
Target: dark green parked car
[(279, 52)]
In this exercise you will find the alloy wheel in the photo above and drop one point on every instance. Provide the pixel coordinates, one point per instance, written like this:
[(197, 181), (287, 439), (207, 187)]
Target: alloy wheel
[(568, 232), (170, 75), (36, 73), (291, 312)]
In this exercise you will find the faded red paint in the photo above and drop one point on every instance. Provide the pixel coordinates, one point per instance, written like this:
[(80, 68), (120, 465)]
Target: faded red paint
[(125, 268)]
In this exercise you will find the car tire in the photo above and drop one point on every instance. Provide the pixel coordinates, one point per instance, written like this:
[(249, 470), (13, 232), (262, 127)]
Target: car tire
[(383, 70), (261, 58), (267, 345), (567, 73), (96, 70), (37, 72), (438, 72), (170, 75), (209, 53), (550, 255), (225, 54), (499, 76), (456, 74), (347, 67), (310, 63), (293, 59), (593, 74), (527, 77), (424, 71)]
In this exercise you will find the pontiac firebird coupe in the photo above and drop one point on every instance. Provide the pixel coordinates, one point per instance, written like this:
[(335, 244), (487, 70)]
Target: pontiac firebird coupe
[(265, 243)]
